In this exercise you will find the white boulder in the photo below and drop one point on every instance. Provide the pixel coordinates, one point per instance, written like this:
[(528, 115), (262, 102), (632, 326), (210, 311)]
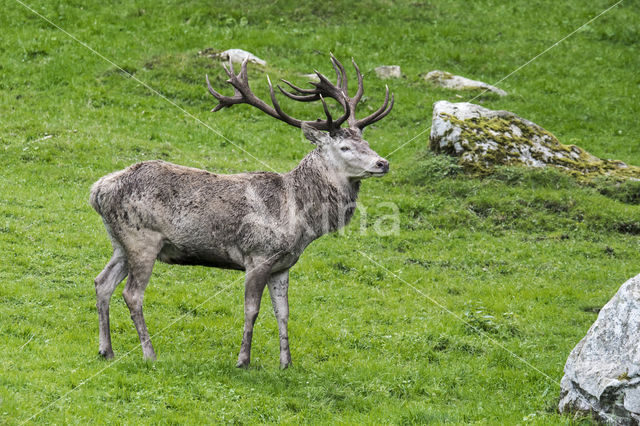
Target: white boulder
[(238, 56), (602, 373), (456, 82)]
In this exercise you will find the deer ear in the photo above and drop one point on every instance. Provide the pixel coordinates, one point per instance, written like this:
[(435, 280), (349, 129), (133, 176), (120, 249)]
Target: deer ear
[(315, 136)]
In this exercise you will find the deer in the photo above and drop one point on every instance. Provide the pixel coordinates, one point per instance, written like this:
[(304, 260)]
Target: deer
[(256, 222)]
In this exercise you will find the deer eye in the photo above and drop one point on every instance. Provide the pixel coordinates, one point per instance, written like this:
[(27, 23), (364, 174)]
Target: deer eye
[(344, 148)]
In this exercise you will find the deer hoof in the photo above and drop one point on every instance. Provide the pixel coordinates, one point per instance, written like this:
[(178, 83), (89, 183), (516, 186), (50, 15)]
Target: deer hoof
[(106, 354), (149, 357), (242, 364), (285, 365)]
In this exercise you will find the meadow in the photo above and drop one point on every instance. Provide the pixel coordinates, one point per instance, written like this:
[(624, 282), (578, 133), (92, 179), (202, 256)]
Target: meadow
[(465, 314)]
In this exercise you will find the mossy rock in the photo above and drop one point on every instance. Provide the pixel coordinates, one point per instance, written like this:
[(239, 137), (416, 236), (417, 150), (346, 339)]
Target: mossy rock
[(482, 138)]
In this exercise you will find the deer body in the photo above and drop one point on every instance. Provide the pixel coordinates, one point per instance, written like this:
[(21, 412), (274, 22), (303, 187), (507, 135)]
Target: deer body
[(256, 222), (221, 220)]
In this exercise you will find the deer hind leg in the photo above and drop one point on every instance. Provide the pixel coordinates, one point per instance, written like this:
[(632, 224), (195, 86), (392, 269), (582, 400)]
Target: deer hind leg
[(278, 289), (141, 263), (255, 280), (105, 283)]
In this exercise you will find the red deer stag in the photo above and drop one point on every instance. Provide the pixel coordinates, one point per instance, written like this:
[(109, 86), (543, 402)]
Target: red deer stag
[(257, 222)]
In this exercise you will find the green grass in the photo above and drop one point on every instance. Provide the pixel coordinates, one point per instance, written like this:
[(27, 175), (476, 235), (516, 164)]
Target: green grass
[(525, 256)]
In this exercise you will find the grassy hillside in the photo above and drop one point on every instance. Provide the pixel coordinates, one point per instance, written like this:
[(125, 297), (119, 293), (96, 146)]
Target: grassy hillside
[(519, 261)]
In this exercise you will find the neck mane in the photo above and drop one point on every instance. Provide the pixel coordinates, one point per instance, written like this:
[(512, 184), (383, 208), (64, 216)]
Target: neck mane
[(326, 202)]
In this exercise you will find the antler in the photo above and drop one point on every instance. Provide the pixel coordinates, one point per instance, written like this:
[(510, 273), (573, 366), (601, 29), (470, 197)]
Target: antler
[(243, 94), (308, 95), (323, 88)]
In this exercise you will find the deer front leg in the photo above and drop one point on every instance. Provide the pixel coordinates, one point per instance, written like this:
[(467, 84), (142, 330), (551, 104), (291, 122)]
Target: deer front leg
[(278, 289), (106, 283), (255, 280)]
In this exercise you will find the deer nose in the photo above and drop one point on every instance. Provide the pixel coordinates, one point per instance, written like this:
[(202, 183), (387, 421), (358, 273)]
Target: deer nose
[(383, 164)]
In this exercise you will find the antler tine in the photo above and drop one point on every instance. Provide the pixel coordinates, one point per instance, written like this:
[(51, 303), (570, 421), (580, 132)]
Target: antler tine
[(353, 102), (339, 121), (326, 86), (373, 117), (211, 89), (326, 111), (337, 70), (379, 114), (301, 98), (304, 95), (333, 125), (299, 89), (224, 101), (216, 95), (347, 114), (384, 114), (244, 76), (282, 115), (342, 75), (240, 81), (360, 90), (230, 71)]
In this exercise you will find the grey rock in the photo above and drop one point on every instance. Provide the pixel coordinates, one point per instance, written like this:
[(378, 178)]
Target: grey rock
[(602, 373), (388, 71), (483, 138), (456, 82)]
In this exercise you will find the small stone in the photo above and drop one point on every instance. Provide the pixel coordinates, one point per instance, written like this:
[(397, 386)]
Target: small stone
[(483, 138), (388, 71), (456, 82), (602, 373)]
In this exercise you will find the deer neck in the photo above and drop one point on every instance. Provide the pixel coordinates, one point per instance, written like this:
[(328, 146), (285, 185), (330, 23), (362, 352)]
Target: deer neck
[(324, 200)]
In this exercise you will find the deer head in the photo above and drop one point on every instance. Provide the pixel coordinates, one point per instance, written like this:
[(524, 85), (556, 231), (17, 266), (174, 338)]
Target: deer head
[(344, 149)]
